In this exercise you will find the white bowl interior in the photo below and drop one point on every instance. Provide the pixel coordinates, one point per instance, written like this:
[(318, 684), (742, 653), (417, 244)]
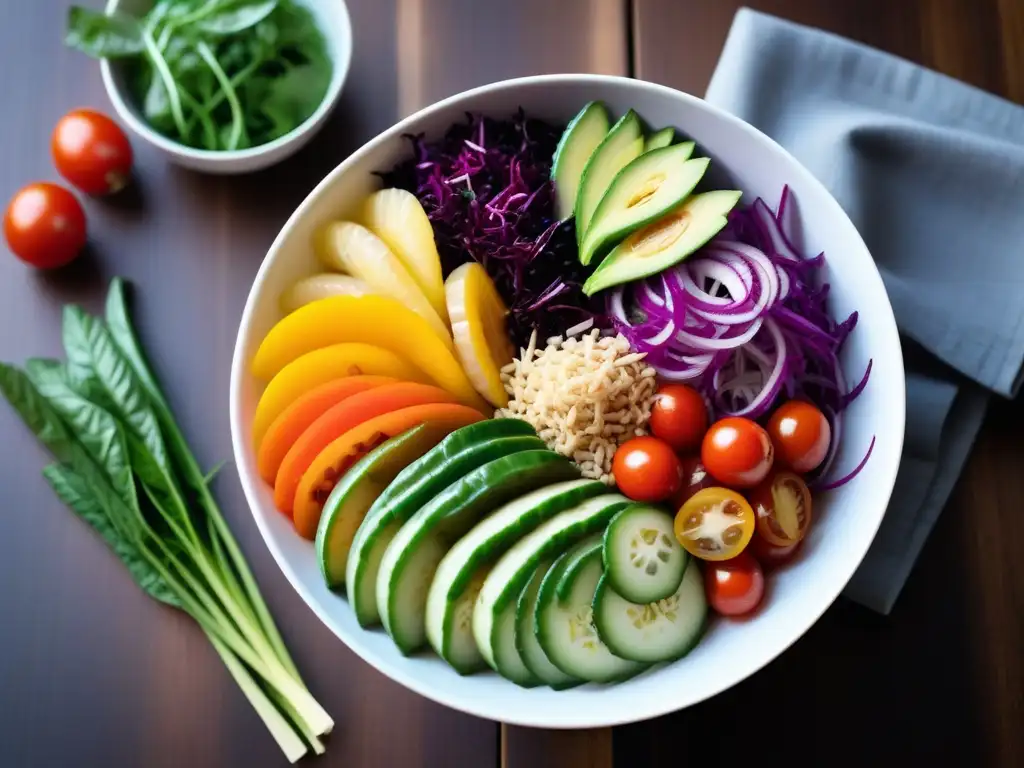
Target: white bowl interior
[(335, 26), (845, 520)]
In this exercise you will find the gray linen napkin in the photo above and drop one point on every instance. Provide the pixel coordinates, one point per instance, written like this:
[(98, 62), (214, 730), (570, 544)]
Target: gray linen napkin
[(932, 173)]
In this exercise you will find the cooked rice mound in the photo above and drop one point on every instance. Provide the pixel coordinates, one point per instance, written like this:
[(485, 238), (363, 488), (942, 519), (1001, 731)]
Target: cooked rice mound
[(585, 395)]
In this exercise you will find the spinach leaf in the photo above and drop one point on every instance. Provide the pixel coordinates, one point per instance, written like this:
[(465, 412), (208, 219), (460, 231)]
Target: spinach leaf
[(75, 492), (229, 18), (294, 96), (44, 421), (102, 35), (95, 429), (129, 402)]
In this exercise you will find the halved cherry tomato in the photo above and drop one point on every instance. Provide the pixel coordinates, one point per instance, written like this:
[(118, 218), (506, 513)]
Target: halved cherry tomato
[(679, 416), (737, 452), (92, 152), (695, 478), (801, 434), (45, 225), (769, 555), (715, 524), (782, 506), (734, 587), (647, 469)]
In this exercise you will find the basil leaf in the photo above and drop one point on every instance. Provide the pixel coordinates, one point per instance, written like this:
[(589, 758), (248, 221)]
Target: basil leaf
[(75, 492), (103, 36), (232, 17)]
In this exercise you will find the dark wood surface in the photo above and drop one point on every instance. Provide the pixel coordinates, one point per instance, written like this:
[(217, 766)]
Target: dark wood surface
[(94, 674)]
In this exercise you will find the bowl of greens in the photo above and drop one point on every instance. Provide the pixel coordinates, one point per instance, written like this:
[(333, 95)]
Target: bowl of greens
[(222, 86)]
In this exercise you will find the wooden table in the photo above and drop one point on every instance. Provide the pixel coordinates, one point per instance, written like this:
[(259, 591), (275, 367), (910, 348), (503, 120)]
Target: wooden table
[(94, 674)]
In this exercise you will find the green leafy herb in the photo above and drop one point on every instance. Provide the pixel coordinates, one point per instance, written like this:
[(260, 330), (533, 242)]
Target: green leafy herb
[(124, 468), (109, 36), (219, 74)]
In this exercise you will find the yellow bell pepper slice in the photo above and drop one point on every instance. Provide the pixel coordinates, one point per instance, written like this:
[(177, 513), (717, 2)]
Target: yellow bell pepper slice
[(312, 369), (374, 320), (478, 326)]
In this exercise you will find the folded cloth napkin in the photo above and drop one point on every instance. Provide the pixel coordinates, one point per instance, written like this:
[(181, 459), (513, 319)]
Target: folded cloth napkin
[(931, 171)]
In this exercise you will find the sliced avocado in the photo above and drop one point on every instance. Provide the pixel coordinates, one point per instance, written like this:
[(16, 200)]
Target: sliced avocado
[(645, 190), (666, 242), (577, 144), (660, 139), (623, 144)]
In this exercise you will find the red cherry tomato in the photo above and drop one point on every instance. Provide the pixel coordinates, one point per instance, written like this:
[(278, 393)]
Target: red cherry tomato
[(679, 416), (737, 452), (801, 434), (782, 505), (92, 152), (44, 225), (734, 587), (769, 555), (647, 469), (695, 478)]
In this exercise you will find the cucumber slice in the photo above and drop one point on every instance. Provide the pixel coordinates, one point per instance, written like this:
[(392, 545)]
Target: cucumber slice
[(566, 629), (348, 503), (510, 574), (641, 555), (660, 631), (439, 468), (526, 642), (577, 144), (412, 558), (575, 559), (449, 627)]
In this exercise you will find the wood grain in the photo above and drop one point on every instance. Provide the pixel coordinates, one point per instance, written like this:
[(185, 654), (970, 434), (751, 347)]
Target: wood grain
[(92, 673), (941, 679)]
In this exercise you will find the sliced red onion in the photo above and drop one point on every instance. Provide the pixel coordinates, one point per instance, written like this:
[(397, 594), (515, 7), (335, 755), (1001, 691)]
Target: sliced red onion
[(835, 423), (852, 473), (616, 305), (651, 294), (662, 336), (787, 218), (697, 342), (773, 384), (769, 226)]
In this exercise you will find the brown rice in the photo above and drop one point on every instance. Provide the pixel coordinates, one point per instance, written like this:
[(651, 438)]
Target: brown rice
[(585, 395)]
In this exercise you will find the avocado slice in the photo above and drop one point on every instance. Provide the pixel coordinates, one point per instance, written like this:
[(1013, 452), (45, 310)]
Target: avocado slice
[(665, 242), (577, 144), (645, 190), (619, 148), (662, 138)]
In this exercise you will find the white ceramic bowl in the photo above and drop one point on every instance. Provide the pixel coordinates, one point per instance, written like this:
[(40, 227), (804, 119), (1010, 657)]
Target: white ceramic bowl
[(334, 23), (845, 520)]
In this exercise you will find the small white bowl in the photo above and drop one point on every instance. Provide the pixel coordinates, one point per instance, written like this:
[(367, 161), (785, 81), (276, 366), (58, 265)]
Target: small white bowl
[(336, 27), (845, 520)]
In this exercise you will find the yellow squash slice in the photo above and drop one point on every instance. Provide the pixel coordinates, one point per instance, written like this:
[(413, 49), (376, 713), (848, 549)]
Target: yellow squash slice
[(354, 249), (373, 320), (478, 325), (397, 218)]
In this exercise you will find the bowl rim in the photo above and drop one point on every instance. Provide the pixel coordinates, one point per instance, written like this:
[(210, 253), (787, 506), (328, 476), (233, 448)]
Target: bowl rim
[(641, 708), (338, 77)]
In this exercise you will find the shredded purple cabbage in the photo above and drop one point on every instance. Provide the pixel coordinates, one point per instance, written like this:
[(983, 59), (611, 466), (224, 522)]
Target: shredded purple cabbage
[(486, 187)]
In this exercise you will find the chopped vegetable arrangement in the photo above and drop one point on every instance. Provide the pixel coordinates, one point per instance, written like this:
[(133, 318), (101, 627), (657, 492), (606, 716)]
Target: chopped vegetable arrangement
[(214, 74), (550, 400)]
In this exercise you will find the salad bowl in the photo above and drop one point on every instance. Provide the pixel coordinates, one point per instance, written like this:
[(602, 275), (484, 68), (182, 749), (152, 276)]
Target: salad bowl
[(846, 518)]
